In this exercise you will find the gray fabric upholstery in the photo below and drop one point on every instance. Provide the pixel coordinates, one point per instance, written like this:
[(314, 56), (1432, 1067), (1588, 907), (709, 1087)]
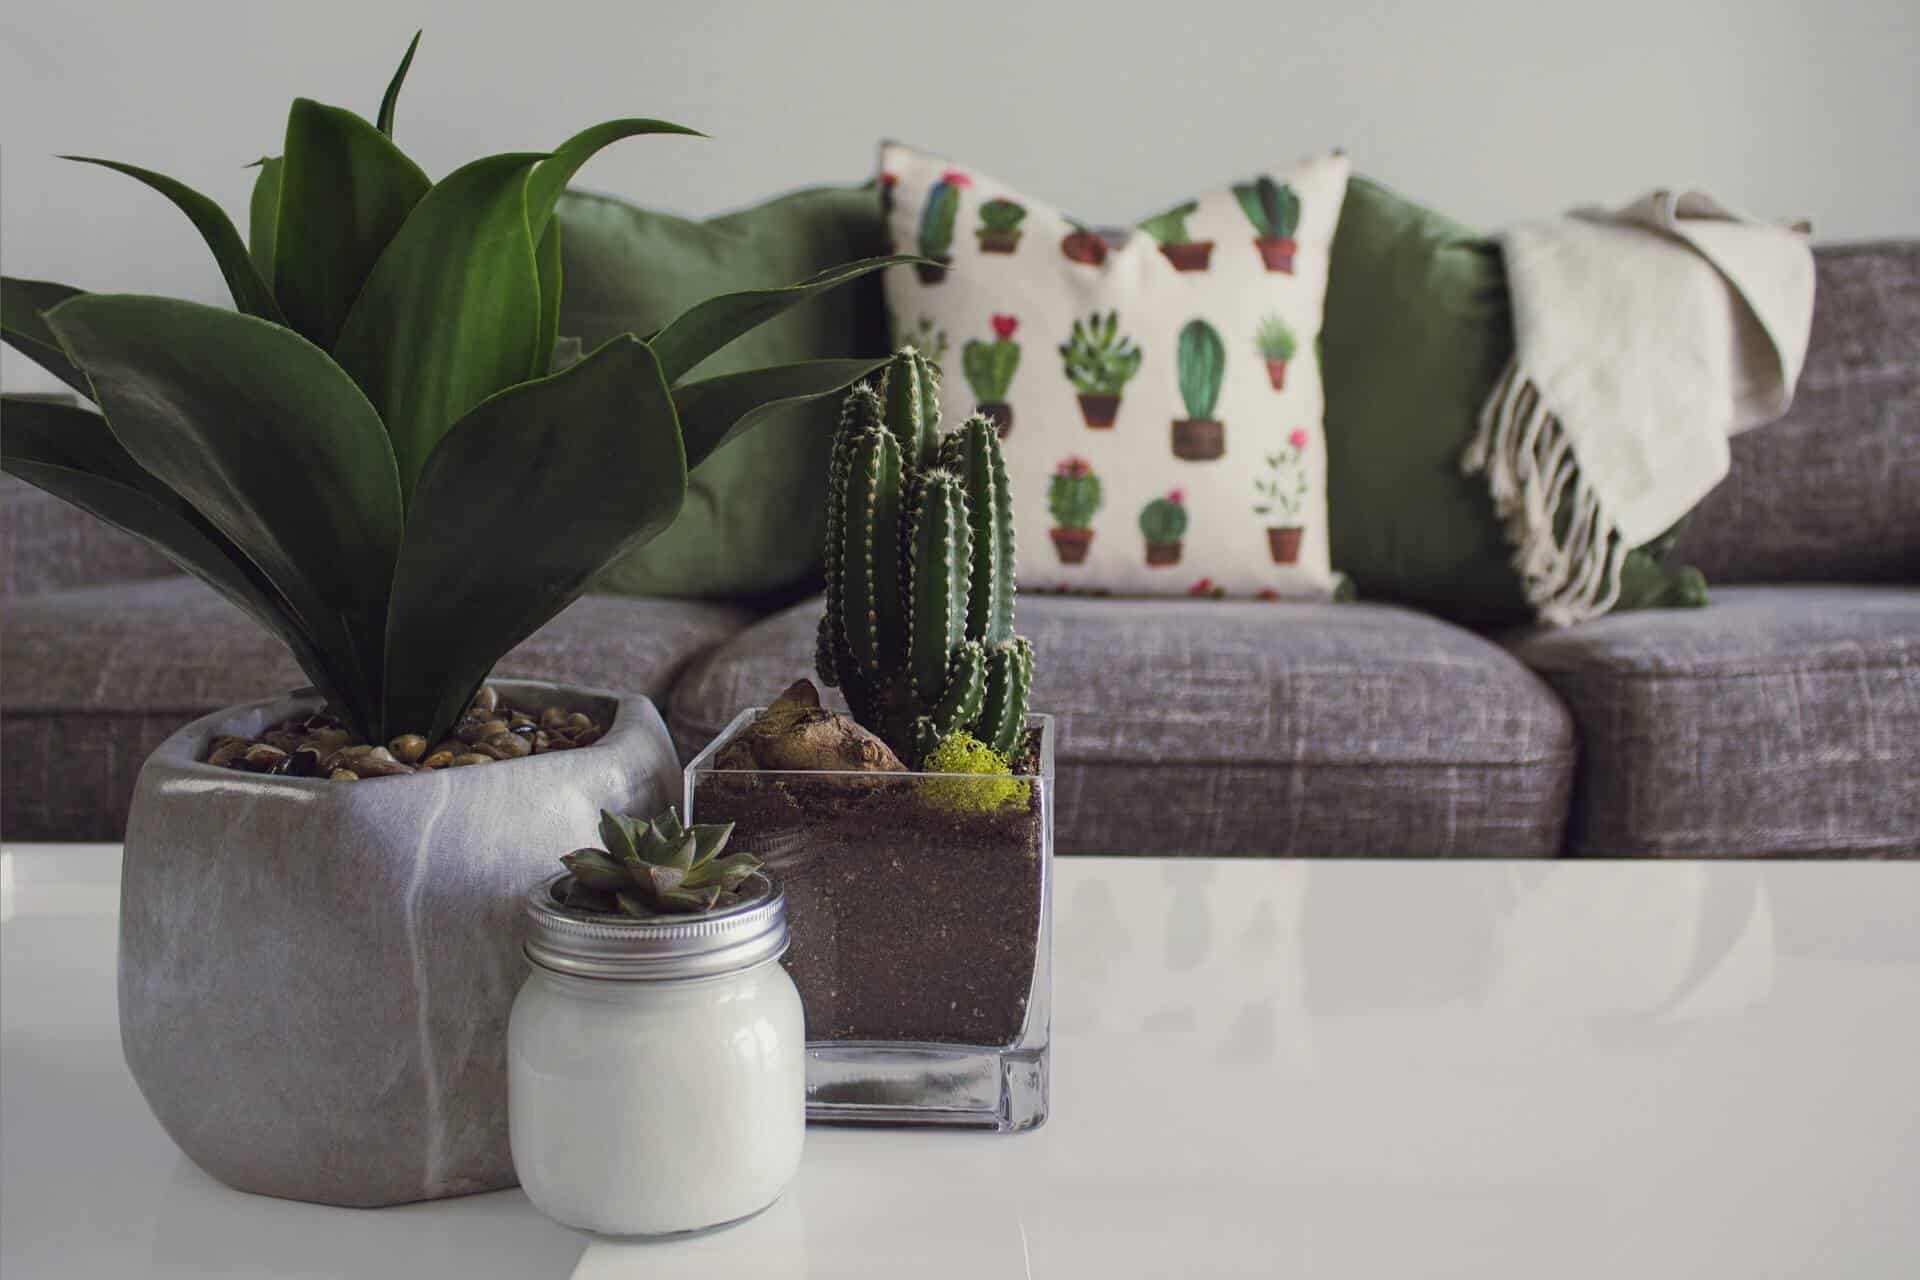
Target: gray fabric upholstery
[(1779, 720), (1832, 491), (46, 545), (1214, 727), (95, 677)]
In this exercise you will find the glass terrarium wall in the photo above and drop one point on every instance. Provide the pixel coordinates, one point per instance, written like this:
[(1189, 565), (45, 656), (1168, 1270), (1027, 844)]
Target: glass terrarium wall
[(919, 906)]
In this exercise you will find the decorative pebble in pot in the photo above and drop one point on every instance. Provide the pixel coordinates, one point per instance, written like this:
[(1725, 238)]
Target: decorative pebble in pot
[(656, 1054)]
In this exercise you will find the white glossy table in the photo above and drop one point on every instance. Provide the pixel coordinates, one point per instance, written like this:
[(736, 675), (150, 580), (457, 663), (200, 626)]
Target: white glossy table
[(1261, 1068)]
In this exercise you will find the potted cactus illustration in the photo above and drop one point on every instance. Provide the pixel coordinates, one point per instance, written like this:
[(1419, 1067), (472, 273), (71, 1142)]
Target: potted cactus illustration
[(889, 184), (928, 338), (999, 230), (1099, 361), (990, 367), (1181, 249), (1084, 245), (936, 224), (1274, 340), (1073, 496), (1199, 437), (1274, 211), (1163, 522), (1283, 491)]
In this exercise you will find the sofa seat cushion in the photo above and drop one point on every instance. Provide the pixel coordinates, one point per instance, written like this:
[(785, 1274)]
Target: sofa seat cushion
[(95, 677), (1227, 727), (1777, 721)]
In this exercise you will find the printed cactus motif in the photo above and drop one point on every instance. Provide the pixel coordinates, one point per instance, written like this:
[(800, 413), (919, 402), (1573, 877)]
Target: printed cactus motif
[(1283, 493), (1169, 229), (1163, 523), (999, 230), (1099, 362), (1275, 343), (1274, 210), (1073, 498), (1202, 364), (1083, 245), (918, 628), (990, 367), (937, 218)]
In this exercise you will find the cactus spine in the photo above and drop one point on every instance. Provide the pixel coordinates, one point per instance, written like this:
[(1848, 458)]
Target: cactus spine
[(918, 627)]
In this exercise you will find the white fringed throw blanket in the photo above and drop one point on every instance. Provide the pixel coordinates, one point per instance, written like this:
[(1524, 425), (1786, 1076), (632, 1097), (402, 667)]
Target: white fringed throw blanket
[(1644, 339)]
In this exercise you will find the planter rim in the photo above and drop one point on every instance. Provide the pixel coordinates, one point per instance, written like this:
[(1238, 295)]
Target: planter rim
[(699, 764), (182, 749)]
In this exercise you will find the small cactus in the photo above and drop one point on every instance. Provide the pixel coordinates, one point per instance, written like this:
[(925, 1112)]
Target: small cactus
[(1272, 207), (1164, 520), (1098, 359), (999, 230), (1203, 365), (918, 628), (937, 220), (1171, 227), (990, 366), (1073, 494)]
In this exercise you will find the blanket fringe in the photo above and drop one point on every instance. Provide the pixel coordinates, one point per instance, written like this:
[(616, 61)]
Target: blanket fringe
[(1567, 548)]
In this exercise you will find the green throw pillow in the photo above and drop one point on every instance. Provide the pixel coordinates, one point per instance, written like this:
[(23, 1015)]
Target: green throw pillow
[(1417, 331), (754, 519)]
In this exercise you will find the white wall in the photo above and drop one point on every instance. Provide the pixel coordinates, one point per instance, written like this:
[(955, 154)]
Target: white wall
[(1491, 110)]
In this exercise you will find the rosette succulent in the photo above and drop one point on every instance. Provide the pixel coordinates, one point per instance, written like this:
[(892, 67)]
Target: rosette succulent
[(655, 868)]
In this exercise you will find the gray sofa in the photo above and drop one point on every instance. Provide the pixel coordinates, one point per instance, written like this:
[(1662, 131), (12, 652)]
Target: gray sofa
[(1781, 720)]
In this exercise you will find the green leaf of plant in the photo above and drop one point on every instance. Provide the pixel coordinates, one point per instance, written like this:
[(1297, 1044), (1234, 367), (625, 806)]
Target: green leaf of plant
[(249, 289), (713, 411), (713, 838), (263, 215), (591, 458), (596, 870), (72, 455), (23, 304), (450, 313), (550, 178), (705, 327), (345, 191), (618, 833), (391, 98), (547, 261), (272, 443)]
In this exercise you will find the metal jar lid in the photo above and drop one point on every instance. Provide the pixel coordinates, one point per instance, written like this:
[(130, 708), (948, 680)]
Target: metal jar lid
[(588, 944)]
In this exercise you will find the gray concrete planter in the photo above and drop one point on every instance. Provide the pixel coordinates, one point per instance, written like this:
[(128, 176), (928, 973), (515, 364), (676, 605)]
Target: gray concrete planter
[(315, 976)]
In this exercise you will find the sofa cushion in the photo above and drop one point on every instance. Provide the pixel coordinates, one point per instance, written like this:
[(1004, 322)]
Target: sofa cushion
[(95, 677), (47, 544), (1832, 490), (1226, 727), (1779, 720)]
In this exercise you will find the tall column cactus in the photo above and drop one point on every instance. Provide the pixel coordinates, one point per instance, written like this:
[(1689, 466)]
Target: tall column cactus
[(918, 626)]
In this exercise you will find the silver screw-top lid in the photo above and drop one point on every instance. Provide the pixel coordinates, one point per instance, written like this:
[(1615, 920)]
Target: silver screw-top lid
[(588, 944)]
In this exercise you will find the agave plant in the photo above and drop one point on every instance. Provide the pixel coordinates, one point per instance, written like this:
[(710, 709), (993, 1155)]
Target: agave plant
[(655, 868), (374, 455)]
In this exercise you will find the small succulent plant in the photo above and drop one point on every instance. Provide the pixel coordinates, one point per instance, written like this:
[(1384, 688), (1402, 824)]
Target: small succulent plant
[(1099, 359), (1073, 494), (655, 868), (990, 366), (1202, 364), (1274, 339)]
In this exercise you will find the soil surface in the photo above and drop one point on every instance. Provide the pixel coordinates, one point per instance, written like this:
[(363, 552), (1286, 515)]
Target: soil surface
[(914, 918)]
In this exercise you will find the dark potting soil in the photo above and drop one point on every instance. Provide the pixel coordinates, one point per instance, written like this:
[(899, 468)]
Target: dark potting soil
[(913, 918)]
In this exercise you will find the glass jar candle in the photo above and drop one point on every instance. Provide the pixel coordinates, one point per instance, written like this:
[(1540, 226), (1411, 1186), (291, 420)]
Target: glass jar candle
[(656, 1068)]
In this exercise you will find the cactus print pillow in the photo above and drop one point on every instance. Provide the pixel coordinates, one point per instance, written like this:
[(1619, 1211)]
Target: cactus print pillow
[(1158, 391)]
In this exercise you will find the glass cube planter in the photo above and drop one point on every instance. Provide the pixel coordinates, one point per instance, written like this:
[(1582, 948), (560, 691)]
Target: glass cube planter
[(920, 906)]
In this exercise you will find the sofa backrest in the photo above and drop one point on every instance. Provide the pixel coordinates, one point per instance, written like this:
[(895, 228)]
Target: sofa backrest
[(1831, 492), (46, 544)]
